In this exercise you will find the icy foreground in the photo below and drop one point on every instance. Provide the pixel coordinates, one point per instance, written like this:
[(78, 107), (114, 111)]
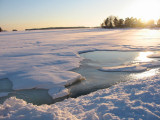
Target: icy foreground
[(42, 59), (137, 99)]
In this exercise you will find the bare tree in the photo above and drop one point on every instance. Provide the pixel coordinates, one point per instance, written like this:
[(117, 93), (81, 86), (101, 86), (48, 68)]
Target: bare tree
[(106, 22), (109, 22), (116, 22)]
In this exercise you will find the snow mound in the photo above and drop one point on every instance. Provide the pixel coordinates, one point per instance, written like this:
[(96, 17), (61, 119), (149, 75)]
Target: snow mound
[(131, 68), (16, 109)]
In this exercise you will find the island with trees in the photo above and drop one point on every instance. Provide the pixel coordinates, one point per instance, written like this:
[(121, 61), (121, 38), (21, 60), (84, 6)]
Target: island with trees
[(115, 22)]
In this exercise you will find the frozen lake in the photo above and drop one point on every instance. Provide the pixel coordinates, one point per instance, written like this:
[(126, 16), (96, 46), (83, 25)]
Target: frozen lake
[(38, 65), (97, 79)]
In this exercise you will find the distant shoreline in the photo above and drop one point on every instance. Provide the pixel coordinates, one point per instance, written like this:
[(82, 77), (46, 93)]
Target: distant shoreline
[(49, 28)]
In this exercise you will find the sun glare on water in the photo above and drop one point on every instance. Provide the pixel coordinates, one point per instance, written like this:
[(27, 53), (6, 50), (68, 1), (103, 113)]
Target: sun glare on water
[(146, 9), (143, 57)]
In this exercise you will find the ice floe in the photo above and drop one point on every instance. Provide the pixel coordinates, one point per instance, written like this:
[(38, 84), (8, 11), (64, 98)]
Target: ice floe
[(132, 67)]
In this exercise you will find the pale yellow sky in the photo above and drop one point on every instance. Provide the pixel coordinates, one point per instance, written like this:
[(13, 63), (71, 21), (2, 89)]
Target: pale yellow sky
[(24, 14)]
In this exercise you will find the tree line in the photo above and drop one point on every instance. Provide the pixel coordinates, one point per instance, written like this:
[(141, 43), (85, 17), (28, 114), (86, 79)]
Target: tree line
[(1, 30), (115, 22)]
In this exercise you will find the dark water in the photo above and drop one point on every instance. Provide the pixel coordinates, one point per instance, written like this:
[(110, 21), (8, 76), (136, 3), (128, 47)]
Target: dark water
[(96, 79)]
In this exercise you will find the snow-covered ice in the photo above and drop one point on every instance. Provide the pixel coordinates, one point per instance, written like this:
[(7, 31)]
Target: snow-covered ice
[(61, 91), (132, 67), (156, 55), (43, 59)]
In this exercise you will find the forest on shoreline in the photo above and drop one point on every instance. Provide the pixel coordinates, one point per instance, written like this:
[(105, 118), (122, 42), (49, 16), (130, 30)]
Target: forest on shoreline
[(115, 22)]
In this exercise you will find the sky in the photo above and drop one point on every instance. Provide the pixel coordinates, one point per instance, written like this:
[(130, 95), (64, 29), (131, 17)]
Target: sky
[(24, 14)]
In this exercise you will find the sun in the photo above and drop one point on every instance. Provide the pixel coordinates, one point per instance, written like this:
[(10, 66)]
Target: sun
[(145, 9)]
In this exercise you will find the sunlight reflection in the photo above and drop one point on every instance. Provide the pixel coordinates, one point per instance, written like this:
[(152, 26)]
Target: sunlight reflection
[(146, 33), (152, 33), (146, 37), (142, 57), (145, 74)]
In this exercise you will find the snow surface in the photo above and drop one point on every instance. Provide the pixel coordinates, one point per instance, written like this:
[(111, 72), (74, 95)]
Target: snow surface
[(156, 55), (43, 59), (135, 99)]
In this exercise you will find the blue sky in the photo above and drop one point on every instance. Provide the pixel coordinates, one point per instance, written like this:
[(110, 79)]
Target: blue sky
[(22, 14)]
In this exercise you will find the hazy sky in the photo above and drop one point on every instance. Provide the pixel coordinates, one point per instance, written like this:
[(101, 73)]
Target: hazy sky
[(22, 14)]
